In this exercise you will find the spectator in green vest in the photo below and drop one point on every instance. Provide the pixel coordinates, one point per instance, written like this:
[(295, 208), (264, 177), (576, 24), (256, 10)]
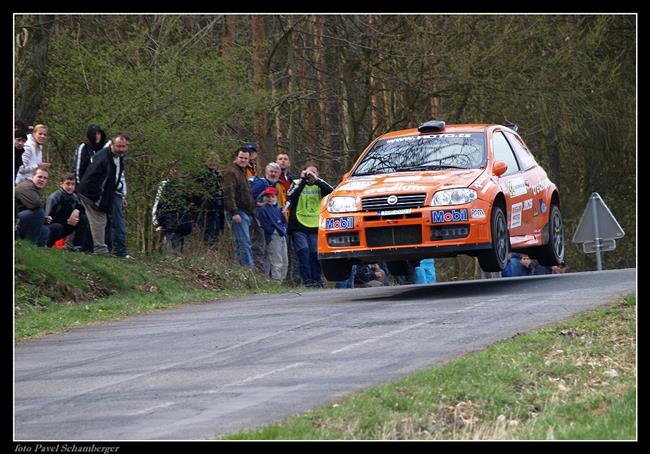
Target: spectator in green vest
[(304, 198)]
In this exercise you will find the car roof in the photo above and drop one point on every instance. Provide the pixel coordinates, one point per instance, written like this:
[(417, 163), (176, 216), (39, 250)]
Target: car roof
[(448, 129)]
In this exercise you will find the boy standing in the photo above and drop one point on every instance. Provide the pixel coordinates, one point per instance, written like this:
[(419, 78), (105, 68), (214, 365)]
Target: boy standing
[(274, 225)]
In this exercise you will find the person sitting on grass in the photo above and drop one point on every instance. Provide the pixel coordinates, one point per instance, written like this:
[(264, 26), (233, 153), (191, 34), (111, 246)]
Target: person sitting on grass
[(30, 215), (64, 214)]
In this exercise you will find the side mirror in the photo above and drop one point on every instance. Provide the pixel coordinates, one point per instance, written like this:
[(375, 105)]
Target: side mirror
[(499, 168)]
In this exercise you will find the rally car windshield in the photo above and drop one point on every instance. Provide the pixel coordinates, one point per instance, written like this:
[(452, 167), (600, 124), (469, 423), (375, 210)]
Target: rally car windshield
[(430, 152)]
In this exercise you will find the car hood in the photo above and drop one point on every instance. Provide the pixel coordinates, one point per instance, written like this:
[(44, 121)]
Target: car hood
[(407, 182)]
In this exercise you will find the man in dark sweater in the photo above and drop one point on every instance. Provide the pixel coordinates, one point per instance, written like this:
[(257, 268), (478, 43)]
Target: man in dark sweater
[(64, 213), (30, 216), (97, 188)]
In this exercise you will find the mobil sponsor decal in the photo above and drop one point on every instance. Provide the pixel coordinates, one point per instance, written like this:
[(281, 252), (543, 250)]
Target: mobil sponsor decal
[(442, 216), (345, 223)]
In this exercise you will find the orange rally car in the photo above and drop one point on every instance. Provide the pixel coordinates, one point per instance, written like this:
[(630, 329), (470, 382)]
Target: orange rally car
[(439, 191)]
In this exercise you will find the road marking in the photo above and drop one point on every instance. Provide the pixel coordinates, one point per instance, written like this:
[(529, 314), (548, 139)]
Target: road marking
[(151, 409), (254, 377), (383, 336), (266, 374), (473, 306)]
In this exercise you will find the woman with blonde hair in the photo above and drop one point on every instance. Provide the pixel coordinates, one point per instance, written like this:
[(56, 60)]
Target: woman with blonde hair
[(33, 154)]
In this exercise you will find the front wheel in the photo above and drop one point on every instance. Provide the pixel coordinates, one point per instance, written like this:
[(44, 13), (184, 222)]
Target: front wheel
[(552, 253), (336, 269), (495, 258)]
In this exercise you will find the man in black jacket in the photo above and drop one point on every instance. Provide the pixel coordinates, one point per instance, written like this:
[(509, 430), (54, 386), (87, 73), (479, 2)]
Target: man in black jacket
[(64, 213), (97, 188), (208, 201), (170, 213)]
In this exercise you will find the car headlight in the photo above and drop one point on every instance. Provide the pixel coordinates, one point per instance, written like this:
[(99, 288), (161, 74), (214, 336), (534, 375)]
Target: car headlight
[(453, 197), (341, 204)]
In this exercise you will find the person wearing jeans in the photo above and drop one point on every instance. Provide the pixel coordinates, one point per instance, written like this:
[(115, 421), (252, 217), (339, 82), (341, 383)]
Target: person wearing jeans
[(241, 236), (30, 215), (304, 196), (238, 205), (97, 188), (118, 221), (306, 245)]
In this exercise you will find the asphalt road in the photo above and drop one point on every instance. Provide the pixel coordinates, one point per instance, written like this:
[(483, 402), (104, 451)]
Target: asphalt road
[(208, 369)]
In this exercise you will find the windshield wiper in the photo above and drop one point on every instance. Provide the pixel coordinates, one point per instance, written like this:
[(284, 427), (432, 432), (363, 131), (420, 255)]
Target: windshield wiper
[(428, 167)]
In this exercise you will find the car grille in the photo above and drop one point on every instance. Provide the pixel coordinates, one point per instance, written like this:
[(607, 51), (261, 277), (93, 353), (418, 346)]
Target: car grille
[(403, 201), (394, 236), (343, 239), (451, 232)]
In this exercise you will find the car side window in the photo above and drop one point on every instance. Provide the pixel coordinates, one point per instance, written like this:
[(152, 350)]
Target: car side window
[(525, 157), (503, 152)]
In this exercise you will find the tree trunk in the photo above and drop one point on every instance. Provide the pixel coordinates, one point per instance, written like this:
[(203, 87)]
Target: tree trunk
[(259, 77), (31, 66), (228, 35), (332, 104)]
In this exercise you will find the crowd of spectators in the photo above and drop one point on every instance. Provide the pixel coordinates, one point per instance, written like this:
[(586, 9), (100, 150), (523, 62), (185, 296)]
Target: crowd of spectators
[(273, 218)]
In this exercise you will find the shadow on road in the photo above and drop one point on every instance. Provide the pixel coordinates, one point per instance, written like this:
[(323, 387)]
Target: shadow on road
[(482, 287)]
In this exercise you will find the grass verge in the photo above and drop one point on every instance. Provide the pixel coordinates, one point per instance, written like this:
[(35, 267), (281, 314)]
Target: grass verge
[(56, 290), (574, 380)]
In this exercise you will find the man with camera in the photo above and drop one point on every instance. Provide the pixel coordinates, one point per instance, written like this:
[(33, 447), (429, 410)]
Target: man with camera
[(304, 198)]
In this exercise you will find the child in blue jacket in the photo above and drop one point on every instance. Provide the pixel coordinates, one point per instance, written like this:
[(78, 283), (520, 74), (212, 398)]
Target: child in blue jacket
[(274, 224)]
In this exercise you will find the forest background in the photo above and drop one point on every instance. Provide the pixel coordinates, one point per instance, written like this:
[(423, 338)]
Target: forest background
[(321, 87)]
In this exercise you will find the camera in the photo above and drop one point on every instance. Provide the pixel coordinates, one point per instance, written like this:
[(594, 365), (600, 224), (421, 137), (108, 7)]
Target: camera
[(309, 175)]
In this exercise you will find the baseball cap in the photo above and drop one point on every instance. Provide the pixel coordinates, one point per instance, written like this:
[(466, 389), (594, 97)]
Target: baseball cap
[(251, 146), (270, 191)]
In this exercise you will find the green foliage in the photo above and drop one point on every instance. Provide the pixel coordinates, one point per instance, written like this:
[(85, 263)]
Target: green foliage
[(333, 83), (177, 103)]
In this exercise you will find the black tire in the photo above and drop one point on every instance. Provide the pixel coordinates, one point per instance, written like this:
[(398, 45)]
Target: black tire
[(495, 258), (398, 268), (552, 253), (336, 269)]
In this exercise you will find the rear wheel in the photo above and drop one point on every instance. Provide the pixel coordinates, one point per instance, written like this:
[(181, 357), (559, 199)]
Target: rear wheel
[(552, 253), (336, 269), (495, 258)]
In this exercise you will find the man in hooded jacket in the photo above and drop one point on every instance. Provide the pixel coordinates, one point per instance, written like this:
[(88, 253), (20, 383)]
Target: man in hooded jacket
[(95, 140)]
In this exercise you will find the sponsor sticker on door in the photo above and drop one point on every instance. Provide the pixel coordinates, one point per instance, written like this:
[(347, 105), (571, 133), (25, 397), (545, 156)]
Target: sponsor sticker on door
[(515, 217)]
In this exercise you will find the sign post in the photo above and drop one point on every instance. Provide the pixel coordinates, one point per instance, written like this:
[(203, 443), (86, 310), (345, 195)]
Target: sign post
[(598, 229)]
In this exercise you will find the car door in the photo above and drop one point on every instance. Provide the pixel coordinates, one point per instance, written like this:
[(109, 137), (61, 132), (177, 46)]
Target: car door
[(513, 184), (535, 206)]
